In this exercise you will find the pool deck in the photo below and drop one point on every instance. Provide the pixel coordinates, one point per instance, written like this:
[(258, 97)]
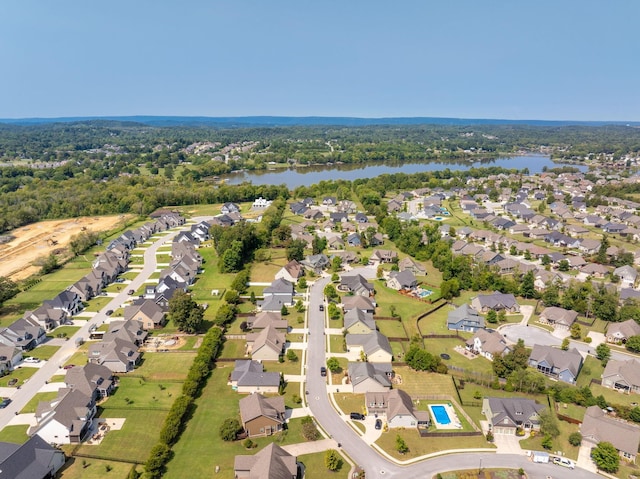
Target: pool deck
[(453, 416)]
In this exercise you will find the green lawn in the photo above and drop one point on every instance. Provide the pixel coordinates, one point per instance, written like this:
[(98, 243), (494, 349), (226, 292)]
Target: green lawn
[(97, 303), (14, 434), (233, 348), (315, 469), (165, 366), (336, 344), (438, 346), (350, 402), (43, 352), (63, 331), (141, 427), (407, 308), (392, 329), (291, 389), (79, 358), (35, 400), (137, 393), (419, 446), (94, 469), (21, 374), (200, 449), (420, 383), (561, 443), (436, 322), (591, 369), (287, 367)]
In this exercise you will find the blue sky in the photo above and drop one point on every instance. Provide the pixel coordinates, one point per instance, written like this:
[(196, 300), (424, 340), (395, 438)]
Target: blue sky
[(542, 59)]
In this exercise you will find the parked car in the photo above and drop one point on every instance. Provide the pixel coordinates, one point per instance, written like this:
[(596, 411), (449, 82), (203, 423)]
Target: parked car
[(563, 461), (130, 292), (31, 359), (13, 381), (378, 424), (4, 403), (322, 307), (323, 371), (356, 416), (69, 366), (109, 312), (119, 280)]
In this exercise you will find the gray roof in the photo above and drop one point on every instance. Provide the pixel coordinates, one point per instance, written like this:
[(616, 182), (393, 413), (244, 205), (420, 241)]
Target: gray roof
[(371, 342), (599, 427), (628, 370), (31, 460), (256, 405), (559, 315), (361, 371), (354, 316), (516, 410), (357, 302), (570, 360), (626, 329), (272, 462), (467, 314), (88, 378), (356, 283), (250, 373), (497, 300)]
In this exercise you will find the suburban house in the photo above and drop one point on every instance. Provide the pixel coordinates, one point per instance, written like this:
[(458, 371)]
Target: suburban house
[(316, 262), (412, 265), (267, 318), (272, 462), (598, 427), (618, 333), (35, 459), (66, 419), (150, 314), (488, 344), (375, 346), (261, 203), (92, 380), (506, 415), (262, 416), (356, 284), (279, 294), (10, 357), (229, 208), (402, 280), (24, 333), (119, 355), (383, 256), (558, 317), (267, 345), (495, 301), (369, 377), (358, 302), (291, 271), (357, 321), (464, 318), (627, 275), (556, 363), (623, 376), (397, 407), (130, 331), (249, 377)]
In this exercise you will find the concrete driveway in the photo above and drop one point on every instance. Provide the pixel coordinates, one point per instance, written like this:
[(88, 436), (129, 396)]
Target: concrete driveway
[(584, 459), (507, 444)]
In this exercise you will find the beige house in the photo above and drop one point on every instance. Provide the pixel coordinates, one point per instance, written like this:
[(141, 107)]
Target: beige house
[(148, 313), (506, 415), (291, 271), (488, 344), (623, 376), (558, 317), (357, 321), (272, 462), (369, 377), (267, 345), (375, 346), (618, 333), (597, 426), (262, 416)]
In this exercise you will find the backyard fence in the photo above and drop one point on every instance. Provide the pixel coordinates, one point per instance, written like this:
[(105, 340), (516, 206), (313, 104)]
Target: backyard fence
[(104, 457), (568, 419), (424, 433)]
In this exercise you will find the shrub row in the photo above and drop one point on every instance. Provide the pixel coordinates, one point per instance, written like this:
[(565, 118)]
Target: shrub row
[(178, 414)]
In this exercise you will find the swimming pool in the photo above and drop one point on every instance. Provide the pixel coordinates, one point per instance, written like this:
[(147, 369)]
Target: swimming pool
[(425, 292), (440, 415)]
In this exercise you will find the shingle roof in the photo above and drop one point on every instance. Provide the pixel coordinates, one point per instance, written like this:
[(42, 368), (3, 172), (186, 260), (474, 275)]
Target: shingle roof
[(602, 428)]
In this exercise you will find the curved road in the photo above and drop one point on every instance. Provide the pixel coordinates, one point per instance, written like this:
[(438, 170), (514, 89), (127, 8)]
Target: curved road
[(376, 465), (51, 367)]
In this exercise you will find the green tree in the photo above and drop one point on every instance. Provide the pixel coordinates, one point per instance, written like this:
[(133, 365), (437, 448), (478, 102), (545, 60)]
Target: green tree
[(231, 259), (606, 457), (633, 344), (401, 445), (185, 313), (603, 353), (158, 457), (229, 429), (546, 260), (330, 292), (8, 289), (284, 311), (450, 288), (575, 439), (336, 264), (295, 250), (547, 442), (492, 316), (226, 314), (575, 331), (551, 294), (334, 365), (563, 265), (302, 283), (601, 256), (527, 286), (292, 356), (332, 460), (421, 360), (502, 316), (565, 344)]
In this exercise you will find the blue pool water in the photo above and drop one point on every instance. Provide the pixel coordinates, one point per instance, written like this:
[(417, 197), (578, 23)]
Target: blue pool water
[(425, 293), (440, 414)]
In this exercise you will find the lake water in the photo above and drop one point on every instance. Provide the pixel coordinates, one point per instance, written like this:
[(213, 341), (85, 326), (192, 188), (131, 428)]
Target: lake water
[(305, 176)]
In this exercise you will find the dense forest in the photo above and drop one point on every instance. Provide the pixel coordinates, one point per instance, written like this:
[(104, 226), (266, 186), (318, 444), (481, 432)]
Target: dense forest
[(58, 170)]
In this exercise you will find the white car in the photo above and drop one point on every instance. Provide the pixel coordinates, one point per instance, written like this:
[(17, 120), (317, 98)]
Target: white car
[(563, 461), (31, 359)]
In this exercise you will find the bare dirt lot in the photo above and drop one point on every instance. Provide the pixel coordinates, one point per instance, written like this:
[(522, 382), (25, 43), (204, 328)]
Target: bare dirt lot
[(41, 239)]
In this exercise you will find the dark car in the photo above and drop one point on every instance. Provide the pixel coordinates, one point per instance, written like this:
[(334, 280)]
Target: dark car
[(322, 307), (4, 403), (69, 366), (130, 292), (109, 312), (356, 416), (378, 424), (323, 371)]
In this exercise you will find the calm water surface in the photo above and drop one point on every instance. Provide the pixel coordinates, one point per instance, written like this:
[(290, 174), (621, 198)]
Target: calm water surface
[(305, 176)]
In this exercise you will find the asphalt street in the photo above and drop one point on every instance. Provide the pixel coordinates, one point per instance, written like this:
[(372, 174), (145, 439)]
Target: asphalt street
[(374, 464)]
